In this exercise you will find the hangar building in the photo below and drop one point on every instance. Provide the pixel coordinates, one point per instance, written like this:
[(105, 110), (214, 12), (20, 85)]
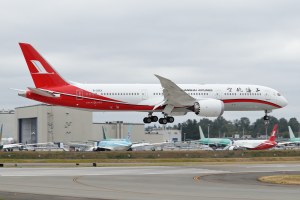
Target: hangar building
[(46, 123)]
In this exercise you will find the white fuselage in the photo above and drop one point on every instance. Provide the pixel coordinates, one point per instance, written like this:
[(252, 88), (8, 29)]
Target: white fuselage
[(236, 97)]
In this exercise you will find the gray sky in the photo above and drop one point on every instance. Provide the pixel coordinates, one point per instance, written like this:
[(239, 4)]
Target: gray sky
[(109, 41)]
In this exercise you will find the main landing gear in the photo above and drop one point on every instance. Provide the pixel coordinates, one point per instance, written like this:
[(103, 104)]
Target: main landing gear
[(166, 119), (150, 118)]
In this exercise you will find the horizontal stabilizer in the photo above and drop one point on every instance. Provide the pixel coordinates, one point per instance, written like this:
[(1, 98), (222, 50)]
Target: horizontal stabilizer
[(20, 92), (42, 92)]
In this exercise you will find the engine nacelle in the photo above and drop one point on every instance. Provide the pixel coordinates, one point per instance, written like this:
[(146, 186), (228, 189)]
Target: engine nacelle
[(209, 108)]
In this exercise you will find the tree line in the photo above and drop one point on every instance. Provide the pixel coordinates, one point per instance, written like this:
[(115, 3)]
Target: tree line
[(220, 127)]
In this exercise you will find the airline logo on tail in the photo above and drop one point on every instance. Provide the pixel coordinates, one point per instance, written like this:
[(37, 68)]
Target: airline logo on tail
[(273, 135), (39, 67)]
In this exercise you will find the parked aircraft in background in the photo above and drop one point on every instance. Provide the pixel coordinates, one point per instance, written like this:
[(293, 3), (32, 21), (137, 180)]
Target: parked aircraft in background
[(292, 137), (292, 142), (108, 144), (209, 100), (256, 144), (213, 142)]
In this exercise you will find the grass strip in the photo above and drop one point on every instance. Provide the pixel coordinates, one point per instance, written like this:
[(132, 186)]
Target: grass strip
[(159, 161), (281, 179)]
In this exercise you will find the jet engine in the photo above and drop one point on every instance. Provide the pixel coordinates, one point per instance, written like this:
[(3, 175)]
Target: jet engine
[(209, 107)]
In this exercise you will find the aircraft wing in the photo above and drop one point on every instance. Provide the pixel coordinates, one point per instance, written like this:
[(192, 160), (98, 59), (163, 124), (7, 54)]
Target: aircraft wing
[(287, 143), (11, 146), (146, 144), (242, 146), (173, 94), (42, 143)]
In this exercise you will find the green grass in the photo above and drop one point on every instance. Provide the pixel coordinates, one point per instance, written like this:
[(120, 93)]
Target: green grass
[(150, 162), (281, 179), (152, 158)]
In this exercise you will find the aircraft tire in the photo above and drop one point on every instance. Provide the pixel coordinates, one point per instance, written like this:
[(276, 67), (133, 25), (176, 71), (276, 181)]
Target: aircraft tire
[(147, 120), (163, 121), (170, 119), (154, 118)]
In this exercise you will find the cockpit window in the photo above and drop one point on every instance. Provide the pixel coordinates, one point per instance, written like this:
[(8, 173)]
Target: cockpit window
[(278, 94)]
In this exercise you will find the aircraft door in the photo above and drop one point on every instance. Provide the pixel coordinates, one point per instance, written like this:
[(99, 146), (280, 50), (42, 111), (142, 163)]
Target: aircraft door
[(79, 94), (144, 94), (218, 94)]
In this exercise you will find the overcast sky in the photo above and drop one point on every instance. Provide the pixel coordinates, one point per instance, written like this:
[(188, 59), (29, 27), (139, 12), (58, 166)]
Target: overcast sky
[(249, 42)]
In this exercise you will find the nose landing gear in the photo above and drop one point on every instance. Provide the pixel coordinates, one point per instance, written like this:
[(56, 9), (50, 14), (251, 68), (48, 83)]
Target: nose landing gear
[(266, 117), (266, 121)]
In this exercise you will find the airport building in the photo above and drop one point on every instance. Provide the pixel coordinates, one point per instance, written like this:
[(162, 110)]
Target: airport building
[(7, 118), (46, 123), (168, 135)]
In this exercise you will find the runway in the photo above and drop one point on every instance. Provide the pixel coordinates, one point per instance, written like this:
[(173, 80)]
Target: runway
[(215, 182)]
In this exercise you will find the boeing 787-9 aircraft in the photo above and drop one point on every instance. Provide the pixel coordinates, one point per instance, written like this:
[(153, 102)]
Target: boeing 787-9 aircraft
[(168, 98)]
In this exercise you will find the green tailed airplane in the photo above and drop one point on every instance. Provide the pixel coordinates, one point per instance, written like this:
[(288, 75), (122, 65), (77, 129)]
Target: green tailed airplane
[(214, 142), (292, 137)]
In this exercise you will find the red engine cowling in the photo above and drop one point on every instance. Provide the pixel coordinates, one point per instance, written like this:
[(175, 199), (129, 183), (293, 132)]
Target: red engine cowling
[(209, 108)]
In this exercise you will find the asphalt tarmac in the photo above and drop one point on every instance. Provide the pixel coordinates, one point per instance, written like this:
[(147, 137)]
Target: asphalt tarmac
[(214, 182)]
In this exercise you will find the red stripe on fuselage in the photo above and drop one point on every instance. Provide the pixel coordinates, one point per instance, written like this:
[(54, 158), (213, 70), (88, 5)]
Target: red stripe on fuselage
[(73, 96), (76, 92), (250, 101), (85, 103), (265, 145)]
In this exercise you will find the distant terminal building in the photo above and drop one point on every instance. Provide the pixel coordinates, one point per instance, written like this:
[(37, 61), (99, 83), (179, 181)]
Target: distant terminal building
[(167, 135), (46, 123), (7, 118)]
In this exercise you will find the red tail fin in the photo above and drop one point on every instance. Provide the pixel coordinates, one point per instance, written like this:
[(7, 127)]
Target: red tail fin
[(43, 75), (273, 135)]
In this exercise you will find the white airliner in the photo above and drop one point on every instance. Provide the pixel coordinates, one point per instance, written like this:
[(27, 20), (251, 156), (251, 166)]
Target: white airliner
[(292, 140), (110, 144), (256, 144), (209, 100)]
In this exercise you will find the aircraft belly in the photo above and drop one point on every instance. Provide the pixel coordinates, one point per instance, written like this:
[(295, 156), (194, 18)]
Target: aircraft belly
[(242, 106)]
